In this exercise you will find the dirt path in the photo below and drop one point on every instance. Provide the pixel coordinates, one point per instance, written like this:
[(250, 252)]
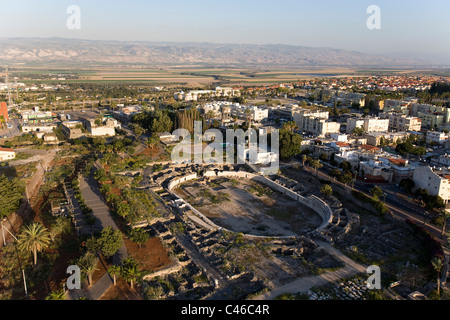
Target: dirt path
[(304, 284)]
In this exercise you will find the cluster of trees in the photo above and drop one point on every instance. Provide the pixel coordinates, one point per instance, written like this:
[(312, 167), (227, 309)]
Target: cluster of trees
[(438, 90), (129, 270), (11, 195), (153, 121), (107, 242), (431, 202), (344, 173), (408, 148), (130, 204), (290, 142)]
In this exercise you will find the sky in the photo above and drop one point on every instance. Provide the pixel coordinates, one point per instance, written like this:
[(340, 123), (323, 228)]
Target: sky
[(406, 25)]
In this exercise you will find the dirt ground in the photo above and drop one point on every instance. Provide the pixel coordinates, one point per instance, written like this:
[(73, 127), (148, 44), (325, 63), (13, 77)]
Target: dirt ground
[(152, 255), (248, 212), (121, 291)]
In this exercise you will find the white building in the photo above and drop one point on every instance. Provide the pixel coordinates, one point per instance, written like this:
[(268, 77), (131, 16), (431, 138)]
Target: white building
[(7, 154), (436, 182), (368, 124), (436, 137), (404, 123), (105, 128)]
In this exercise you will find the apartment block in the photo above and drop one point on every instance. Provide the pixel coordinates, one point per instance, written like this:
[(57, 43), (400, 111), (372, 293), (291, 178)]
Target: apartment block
[(435, 181), (368, 124), (404, 123)]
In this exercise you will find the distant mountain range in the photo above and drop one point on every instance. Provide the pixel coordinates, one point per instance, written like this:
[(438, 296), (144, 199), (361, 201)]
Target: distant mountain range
[(76, 52)]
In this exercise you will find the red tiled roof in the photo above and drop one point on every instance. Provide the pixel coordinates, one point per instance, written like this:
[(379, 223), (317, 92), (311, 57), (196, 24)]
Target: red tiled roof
[(343, 144), (397, 161), (369, 148), (6, 149)]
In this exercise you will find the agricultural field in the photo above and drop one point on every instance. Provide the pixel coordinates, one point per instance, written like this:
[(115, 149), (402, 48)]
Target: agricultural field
[(187, 76)]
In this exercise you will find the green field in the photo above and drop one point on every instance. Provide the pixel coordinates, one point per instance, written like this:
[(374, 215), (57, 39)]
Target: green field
[(191, 76)]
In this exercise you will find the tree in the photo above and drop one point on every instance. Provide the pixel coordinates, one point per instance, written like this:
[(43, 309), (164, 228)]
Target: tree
[(110, 241), (290, 126), (316, 164), (445, 215), (35, 238), (438, 264), (326, 190), (407, 185), (130, 271), (115, 271), (56, 295), (11, 195), (139, 236), (138, 130), (359, 131), (404, 148), (290, 144), (153, 140), (88, 265), (377, 192), (304, 158)]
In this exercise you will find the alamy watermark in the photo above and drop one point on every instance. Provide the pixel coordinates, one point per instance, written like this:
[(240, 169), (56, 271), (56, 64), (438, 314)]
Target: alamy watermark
[(374, 281), (374, 20), (73, 22), (74, 280)]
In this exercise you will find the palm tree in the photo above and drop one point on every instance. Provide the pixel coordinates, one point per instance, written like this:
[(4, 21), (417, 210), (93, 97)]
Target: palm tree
[(35, 238), (115, 271), (130, 271), (437, 265), (56, 295), (290, 126), (316, 165), (304, 158), (446, 215), (88, 264)]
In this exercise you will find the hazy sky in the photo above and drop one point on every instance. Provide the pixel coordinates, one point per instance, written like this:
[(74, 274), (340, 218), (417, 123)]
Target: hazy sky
[(406, 25)]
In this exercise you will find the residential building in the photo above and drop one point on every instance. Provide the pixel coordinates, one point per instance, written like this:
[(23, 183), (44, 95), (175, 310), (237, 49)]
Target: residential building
[(436, 137), (339, 137), (106, 127), (368, 124), (73, 129), (315, 122), (7, 154), (435, 181), (38, 116), (404, 123), (319, 127), (375, 171), (48, 127), (399, 107), (375, 139)]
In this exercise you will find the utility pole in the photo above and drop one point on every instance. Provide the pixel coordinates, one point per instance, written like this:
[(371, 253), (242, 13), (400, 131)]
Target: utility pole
[(7, 86)]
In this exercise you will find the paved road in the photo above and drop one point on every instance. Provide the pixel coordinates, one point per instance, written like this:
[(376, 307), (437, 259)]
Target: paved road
[(398, 210), (93, 198)]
